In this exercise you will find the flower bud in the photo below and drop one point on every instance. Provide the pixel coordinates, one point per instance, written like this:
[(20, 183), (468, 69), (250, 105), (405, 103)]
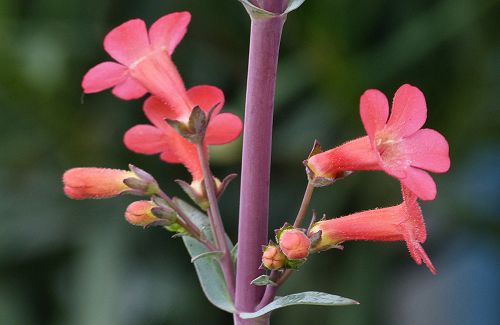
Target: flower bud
[(272, 257), (95, 183), (294, 244), (197, 193), (139, 213), (142, 184)]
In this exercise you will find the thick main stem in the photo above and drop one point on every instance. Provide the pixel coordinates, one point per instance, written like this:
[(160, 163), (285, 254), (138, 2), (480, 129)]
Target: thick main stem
[(256, 161), (226, 261)]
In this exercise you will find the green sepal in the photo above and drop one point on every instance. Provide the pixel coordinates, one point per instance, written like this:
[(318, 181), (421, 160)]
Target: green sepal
[(181, 127), (294, 264), (175, 227), (279, 232), (200, 200)]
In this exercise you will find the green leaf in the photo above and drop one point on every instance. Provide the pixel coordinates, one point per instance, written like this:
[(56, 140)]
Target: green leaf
[(208, 269), (216, 255), (255, 11), (303, 298), (293, 4), (196, 216), (263, 280)]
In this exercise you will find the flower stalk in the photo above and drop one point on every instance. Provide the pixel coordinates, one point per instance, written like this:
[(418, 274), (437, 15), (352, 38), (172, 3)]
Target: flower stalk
[(186, 222), (304, 205), (216, 220)]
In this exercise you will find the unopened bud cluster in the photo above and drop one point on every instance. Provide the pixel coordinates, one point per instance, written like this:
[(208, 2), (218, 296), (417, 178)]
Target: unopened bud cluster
[(291, 251)]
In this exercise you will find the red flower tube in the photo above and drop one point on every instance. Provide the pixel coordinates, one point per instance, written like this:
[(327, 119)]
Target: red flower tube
[(173, 148), (95, 183), (400, 222), (395, 143)]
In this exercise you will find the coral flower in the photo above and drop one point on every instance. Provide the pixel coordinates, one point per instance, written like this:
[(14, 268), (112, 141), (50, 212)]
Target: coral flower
[(273, 258), (95, 183), (139, 213), (144, 61), (395, 143), (173, 148), (400, 222), (294, 244)]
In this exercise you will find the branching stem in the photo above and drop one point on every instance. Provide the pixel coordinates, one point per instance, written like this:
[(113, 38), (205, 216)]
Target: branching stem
[(186, 223), (216, 220)]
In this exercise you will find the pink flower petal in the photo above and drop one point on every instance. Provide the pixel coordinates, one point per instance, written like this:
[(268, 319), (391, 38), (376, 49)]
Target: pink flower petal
[(103, 76), (129, 89), (145, 139), (420, 250), (418, 254), (169, 157), (415, 220), (223, 128), (374, 110), (428, 149), (420, 183), (206, 97), (187, 154), (157, 111), (127, 42), (409, 111), (169, 30)]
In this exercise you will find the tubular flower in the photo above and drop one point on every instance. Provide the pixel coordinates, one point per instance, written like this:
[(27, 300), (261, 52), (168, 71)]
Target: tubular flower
[(400, 222), (173, 148), (96, 183), (395, 143), (144, 61)]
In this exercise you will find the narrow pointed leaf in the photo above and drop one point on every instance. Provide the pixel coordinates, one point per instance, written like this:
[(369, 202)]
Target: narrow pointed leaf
[(293, 4), (216, 255), (259, 12), (208, 269), (303, 298), (255, 11), (263, 280)]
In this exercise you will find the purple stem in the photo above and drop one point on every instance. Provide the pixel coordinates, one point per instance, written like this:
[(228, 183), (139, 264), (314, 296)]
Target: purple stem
[(265, 38), (219, 233)]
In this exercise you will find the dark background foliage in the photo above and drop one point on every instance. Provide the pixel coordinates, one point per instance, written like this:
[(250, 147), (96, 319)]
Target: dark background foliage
[(69, 262)]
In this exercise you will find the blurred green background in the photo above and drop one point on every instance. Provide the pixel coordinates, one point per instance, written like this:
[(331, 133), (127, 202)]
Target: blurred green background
[(79, 262)]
